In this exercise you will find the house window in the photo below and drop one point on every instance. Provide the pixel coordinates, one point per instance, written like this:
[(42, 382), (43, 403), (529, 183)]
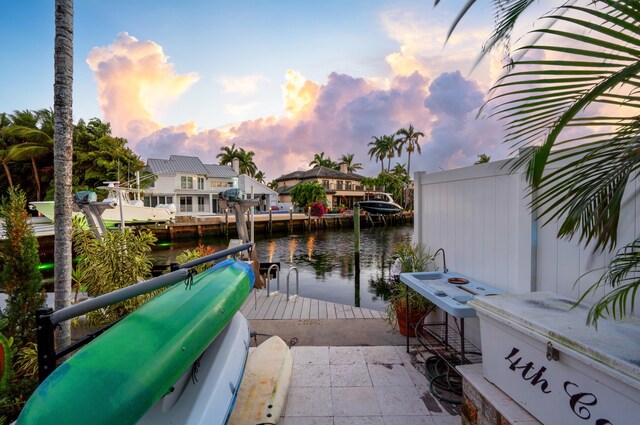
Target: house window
[(325, 184), (202, 206), (186, 204), (348, 185), (200, 183), (186, 182), (220, 184), (147, 201), (339, 187)]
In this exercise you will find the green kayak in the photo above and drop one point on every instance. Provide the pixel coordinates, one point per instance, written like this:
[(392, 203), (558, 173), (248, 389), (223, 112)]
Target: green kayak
[(119, 376)]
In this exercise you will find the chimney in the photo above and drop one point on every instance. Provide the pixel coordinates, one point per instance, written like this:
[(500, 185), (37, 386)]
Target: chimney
[(343, 168), (235, 164)]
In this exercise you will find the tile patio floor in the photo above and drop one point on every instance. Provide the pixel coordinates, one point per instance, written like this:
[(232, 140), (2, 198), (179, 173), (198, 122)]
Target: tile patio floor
[(359, 386)]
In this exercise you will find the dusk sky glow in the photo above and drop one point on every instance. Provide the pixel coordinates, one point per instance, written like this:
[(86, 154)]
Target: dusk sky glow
[(286, 79)]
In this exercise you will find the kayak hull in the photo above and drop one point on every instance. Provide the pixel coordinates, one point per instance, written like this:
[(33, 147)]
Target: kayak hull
[(120, 375)]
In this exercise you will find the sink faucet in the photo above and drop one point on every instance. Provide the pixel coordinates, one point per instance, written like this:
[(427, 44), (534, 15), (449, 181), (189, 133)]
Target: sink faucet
[(444, 259)]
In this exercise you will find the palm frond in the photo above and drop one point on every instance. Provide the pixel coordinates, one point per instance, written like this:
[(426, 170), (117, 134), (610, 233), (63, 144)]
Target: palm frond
[(621, 275)]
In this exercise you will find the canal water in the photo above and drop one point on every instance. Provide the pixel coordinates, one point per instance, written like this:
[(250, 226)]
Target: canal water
[(325, 261)]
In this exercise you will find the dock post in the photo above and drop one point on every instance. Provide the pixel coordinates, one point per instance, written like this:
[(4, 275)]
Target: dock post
[(270, 221), (356, 230), (226, 220), (291, 219)]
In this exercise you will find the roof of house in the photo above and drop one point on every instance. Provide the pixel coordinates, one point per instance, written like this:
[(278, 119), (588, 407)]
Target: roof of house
[(188, 165), (319, 172)]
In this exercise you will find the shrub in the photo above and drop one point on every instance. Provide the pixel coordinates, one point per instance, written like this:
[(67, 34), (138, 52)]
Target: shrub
[(121, 259), (316, 209)]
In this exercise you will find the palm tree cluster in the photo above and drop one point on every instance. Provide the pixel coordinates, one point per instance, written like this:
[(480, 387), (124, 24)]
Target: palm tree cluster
[(584, 92), (386, 147), (347, 159), (26, 140), (245, 159)]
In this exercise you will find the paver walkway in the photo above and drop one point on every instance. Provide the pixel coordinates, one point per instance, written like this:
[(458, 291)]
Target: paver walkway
[(276, 307), (359, 386)]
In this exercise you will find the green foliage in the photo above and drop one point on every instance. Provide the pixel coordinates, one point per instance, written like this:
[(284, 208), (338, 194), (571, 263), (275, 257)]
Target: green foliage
[(5, 365), (193, 254), (352, 167), (245, 159), (413, 258), (483, 158), (320, 161), (305, 193), (20, 277), (121, 259)]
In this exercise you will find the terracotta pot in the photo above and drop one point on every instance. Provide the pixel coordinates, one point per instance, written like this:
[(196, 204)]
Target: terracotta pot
[(415, 319)]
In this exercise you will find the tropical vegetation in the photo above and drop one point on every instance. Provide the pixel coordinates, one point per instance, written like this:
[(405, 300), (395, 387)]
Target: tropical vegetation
[(408, 138), (21, 280), (320, 161), (305, 193), (245, 160), (575, 82), (119, 260), (26, 153), (352, 167), (396, 182)]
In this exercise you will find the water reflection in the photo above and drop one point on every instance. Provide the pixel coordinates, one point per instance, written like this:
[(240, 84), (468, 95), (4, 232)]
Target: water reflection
[(326, 261)]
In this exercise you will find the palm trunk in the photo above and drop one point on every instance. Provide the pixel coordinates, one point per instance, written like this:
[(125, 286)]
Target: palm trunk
[(409, 165), (62, 159), (8, 173), (36, 176)]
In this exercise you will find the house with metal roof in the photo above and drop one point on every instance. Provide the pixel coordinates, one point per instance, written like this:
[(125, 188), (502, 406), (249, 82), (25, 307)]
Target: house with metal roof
[(195, 187), (342, 188)]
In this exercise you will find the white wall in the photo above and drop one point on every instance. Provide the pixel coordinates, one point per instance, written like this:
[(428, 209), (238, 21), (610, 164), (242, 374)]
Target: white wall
[(480, 216)]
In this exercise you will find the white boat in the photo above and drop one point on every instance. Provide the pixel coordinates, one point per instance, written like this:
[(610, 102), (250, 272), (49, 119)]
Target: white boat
[(132, 210)]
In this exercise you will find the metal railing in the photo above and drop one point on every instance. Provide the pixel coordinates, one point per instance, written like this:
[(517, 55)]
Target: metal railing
[(297, 281)]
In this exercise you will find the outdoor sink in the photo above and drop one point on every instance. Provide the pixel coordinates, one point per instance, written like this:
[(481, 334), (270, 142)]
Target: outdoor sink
[(462, 299), (431, 276)]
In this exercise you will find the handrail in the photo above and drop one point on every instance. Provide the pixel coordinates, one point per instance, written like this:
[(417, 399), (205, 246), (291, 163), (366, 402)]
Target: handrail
[(297, 281), (141, 287), (269, 277), (216, 255), (118, 296)]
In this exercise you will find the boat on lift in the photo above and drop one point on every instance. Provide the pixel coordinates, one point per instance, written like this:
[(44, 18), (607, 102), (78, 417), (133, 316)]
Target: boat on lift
[(380, 203), (128, 207)]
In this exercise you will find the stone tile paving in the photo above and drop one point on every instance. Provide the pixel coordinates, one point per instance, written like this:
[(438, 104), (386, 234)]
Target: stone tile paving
[(360, 386)]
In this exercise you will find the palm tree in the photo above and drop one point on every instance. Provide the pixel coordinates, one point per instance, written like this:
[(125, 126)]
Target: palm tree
[(260, 177), (247, 166), (5, 144), (35, 131), (228, 153), (351, 166), (377, 151), (389, 146), (63, 159), (409, 137), (544, 101), (272, 184), (320, 161)]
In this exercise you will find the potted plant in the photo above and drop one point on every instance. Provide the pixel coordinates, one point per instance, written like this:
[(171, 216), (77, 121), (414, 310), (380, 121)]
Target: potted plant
[(409, 258)]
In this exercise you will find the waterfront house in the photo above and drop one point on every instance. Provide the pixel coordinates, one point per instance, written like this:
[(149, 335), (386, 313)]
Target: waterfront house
[(195, 187), (341, 187)]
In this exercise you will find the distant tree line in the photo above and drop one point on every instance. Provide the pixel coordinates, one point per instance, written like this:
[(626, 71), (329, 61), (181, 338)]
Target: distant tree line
[(26, 153)]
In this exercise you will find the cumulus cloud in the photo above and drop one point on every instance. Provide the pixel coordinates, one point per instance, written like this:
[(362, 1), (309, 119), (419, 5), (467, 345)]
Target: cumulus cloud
[(456, 136), (247, 84), (135, 81), (337, 116)]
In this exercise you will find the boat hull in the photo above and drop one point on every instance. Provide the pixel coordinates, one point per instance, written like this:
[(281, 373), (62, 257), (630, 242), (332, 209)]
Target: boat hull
[(201, 395), (120, 375), (111, 216), (384, 208)]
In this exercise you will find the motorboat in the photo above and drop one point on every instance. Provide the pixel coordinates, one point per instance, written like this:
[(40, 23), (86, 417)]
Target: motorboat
[(127, 205), (380, 203)]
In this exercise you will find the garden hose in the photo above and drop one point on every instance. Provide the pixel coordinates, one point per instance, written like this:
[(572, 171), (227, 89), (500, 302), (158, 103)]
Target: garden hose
[(442, 377)]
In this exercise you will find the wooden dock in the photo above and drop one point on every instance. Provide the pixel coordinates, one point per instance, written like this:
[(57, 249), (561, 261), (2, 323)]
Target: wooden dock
[(276, 307)]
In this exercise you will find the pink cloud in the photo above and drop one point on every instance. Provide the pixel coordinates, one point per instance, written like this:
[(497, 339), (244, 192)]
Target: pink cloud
[(336, 117)]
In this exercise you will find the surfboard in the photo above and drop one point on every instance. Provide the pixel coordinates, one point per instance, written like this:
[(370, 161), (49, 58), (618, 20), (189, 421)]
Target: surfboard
[(119, 376), (264, 387)]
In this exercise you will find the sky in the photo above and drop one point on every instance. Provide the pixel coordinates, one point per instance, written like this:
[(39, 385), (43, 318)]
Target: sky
[(286, 79)]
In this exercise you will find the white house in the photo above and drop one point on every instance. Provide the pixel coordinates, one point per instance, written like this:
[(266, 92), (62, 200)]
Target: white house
[(192, 186), (195, 187)]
